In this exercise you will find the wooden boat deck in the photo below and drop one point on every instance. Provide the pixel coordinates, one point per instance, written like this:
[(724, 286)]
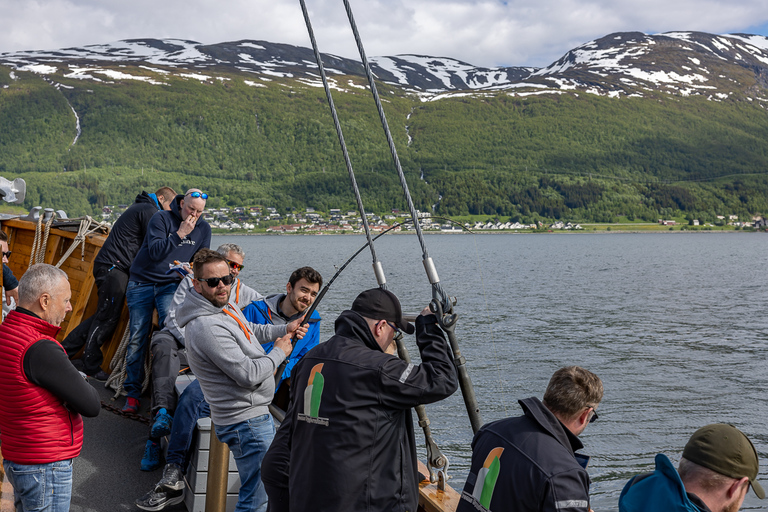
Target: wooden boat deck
[(107, 475)]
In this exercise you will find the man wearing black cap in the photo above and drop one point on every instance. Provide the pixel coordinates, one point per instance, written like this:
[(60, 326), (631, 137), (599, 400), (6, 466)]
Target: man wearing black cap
[(347, 442), (718, 466)]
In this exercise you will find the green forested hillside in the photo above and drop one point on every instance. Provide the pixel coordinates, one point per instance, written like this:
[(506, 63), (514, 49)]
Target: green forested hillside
[(574, 156)]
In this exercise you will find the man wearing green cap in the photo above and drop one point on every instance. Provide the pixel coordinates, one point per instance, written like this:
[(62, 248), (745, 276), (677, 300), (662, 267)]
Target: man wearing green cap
[(718, 465)]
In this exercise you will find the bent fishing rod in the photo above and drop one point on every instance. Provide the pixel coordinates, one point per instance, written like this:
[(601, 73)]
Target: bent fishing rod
[(319, 298)]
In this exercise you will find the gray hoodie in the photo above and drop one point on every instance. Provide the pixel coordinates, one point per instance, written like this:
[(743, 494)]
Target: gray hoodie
[(235, 374)]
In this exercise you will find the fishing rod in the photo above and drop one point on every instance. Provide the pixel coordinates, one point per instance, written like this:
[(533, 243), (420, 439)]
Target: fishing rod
[(319, 298), (442, 304)]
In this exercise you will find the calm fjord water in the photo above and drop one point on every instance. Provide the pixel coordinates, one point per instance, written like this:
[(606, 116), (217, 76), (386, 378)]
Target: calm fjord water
[(674, 324)]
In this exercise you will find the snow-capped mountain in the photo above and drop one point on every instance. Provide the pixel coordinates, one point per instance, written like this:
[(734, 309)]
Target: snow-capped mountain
[(623, 64)]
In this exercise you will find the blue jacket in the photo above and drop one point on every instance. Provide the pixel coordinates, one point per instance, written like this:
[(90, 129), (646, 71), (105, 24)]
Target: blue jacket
[(9, 280), (661, 490), (266, 312), (162, 246)]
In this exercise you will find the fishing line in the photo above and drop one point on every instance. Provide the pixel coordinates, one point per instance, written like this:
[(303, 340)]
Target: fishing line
[(429, 266), (377, 269)]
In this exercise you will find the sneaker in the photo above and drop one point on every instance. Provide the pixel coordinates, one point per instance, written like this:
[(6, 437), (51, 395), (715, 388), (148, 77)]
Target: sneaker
[(101, 376), (162, 425), (158, 499), (131, 405), (151, 459), (172, 479)]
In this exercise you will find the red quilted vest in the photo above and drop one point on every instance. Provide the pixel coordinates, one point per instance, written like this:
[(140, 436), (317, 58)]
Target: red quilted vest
[(35, 427)]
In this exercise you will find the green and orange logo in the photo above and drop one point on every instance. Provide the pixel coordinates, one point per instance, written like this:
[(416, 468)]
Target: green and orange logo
[(486, 479), (313, 395)]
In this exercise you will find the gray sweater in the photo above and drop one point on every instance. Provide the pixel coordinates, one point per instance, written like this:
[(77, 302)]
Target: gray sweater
[(235, 374)]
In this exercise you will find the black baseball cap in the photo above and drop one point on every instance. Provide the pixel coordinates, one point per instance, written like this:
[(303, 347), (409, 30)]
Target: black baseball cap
[(380, 304), (726, 450)]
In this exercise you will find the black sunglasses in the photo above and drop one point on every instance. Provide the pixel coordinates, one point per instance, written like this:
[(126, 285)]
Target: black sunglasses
[(7, 254), (198, 194), (213, 282), (594, 416)]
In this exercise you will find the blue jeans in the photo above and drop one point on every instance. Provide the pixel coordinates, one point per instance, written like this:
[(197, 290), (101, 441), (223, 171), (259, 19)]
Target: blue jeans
[(248, 441), (191, 407), (40, 487), (142, 299)]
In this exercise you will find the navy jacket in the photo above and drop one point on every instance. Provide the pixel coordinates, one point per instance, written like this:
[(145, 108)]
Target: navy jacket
[(526, 464), (348, 432), (9, 280), (162, 246), (127, 234)]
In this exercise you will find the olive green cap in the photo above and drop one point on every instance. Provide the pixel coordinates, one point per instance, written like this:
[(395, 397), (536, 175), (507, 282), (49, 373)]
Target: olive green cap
[(726, 450)]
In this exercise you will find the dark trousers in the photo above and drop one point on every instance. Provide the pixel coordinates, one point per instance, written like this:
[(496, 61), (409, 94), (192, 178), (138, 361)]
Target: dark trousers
[(94, 331), (167, 355), (278, 498)]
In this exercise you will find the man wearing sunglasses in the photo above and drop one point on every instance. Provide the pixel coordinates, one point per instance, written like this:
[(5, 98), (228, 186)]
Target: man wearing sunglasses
[(174, 235), (168, 352), (235, 374), (347, 441), (529, 463)]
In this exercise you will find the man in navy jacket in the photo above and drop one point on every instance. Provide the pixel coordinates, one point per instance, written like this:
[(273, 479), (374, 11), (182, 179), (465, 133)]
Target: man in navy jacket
[(110, 272), (174, 235), (529, 463), (347, 441)]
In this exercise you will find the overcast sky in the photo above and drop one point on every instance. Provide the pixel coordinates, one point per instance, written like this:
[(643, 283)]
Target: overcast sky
[(480, 32)]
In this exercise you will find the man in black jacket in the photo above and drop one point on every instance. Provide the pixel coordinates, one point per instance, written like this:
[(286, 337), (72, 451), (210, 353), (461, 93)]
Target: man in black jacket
[(347, 442), (529, 463), (111, 268)]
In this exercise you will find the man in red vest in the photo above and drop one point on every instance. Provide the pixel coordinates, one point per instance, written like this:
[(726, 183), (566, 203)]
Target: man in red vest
[(42, 395)]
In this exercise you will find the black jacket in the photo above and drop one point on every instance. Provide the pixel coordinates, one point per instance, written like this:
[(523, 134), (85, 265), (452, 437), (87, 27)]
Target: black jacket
[(127, 234), (348, 430), (526, 464)]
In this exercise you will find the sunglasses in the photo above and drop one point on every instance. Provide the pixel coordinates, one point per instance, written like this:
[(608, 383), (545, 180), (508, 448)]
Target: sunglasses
[(594, 416), (198, 194), (235, 266), (394, 327), (213, 282), (7, 254)]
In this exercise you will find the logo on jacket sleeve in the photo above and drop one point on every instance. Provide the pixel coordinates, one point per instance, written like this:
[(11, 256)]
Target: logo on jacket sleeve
[(486, 481), (313, 394)]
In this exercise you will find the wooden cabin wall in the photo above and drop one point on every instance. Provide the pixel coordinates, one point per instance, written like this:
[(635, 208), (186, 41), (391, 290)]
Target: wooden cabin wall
[(79, 269)]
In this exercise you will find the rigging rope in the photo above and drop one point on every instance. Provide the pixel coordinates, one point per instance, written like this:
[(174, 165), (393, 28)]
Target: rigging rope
[(378, 271), (437, 290)]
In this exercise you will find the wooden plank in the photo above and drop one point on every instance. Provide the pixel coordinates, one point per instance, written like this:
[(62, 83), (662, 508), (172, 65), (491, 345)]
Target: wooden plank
[(431, 499)]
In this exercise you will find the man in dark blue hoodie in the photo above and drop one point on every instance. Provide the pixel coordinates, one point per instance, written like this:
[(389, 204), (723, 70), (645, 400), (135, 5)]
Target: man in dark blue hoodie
[(174, 235), (110, 272)]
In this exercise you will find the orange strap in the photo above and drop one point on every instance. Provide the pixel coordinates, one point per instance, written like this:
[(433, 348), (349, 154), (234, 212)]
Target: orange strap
[(242, 326), (237, 292)]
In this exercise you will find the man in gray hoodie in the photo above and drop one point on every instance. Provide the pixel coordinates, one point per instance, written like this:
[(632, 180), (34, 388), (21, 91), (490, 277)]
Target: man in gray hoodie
[(235, 374)]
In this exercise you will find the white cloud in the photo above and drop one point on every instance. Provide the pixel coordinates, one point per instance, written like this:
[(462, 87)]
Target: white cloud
[(479, 32)]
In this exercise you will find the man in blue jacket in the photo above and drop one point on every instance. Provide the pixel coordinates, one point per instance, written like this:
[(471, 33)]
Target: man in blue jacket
[(174, 235), (529, 463), (111, 268), (718, 466), (281, 308)]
